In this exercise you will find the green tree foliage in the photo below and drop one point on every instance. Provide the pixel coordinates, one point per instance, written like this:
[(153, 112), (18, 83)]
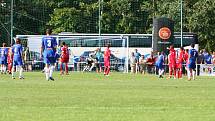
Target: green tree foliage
[(202, 21), (66, 19), (30, 17), (82, 17), (118, 16), (4, 21)]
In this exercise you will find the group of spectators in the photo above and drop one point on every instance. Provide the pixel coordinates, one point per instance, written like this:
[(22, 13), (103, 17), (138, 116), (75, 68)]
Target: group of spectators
[(206, 57), (141, 64)]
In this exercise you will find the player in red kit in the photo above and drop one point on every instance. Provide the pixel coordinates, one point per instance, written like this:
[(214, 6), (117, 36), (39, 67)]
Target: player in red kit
[(9, 60), (107, 54), (186, 58), (64, 58), (186, 55), (179, 62), (172, 61)]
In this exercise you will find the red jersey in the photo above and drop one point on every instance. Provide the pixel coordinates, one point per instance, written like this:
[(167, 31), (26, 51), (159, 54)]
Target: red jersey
[(180, 58), (10, 56), (107, 57), (186, 56), (172, 56), (107, 53), (64, 52)]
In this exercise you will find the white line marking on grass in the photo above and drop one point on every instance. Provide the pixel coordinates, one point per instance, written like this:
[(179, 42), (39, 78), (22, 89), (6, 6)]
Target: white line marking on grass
[(122, 108)]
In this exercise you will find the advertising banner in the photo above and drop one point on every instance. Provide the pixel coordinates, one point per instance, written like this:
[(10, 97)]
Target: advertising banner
[(207, 70)]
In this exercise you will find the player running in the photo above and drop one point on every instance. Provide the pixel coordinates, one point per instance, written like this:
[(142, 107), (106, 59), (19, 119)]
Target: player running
[(193, 54), (172, 61), (179, 62), (160, 64), (48, 50), (3, 58), (17, 59), (107, 54), (64, 59)]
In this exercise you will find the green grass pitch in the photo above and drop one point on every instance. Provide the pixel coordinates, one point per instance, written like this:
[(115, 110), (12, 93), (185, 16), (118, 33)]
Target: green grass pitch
[(93, 97)]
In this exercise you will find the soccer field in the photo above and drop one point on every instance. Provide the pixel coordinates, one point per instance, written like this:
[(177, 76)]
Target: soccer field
[(93, 97)]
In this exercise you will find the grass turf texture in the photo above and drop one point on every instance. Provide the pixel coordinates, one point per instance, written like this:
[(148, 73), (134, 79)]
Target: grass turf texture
[(93, 97)]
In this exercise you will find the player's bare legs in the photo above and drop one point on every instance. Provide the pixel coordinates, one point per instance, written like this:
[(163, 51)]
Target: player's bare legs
[(66, 68), (47, 71), (51, 70), (193, 74), (172, 71), (20, 69), (4, 69), (105, 70), (10, 68), (108, 70), (189, 74), (61, 69), (92, 66), (13, 72), (180, 73), (160, 72), (100, 69), (20, 72), (1, 68)]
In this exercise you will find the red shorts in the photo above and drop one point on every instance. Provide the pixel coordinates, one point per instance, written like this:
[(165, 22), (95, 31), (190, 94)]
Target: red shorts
[(179, 65), (106, 62), (9, 60), (172, 65), (64, 60)]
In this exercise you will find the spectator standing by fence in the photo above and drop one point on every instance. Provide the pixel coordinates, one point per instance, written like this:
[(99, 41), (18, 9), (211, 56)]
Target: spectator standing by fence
[(142, 64), (208, 58), (213, 58), (200, 60), (137, 57), (133, 63)]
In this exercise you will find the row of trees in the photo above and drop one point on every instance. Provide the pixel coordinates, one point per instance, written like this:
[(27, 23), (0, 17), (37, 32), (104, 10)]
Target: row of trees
[(118, 16)]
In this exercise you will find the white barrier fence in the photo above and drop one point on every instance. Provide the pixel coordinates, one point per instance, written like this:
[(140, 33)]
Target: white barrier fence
[(201, 69), (207, 70)]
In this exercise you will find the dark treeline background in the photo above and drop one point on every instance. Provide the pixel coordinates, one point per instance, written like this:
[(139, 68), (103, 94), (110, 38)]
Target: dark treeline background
[(118, 16)]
